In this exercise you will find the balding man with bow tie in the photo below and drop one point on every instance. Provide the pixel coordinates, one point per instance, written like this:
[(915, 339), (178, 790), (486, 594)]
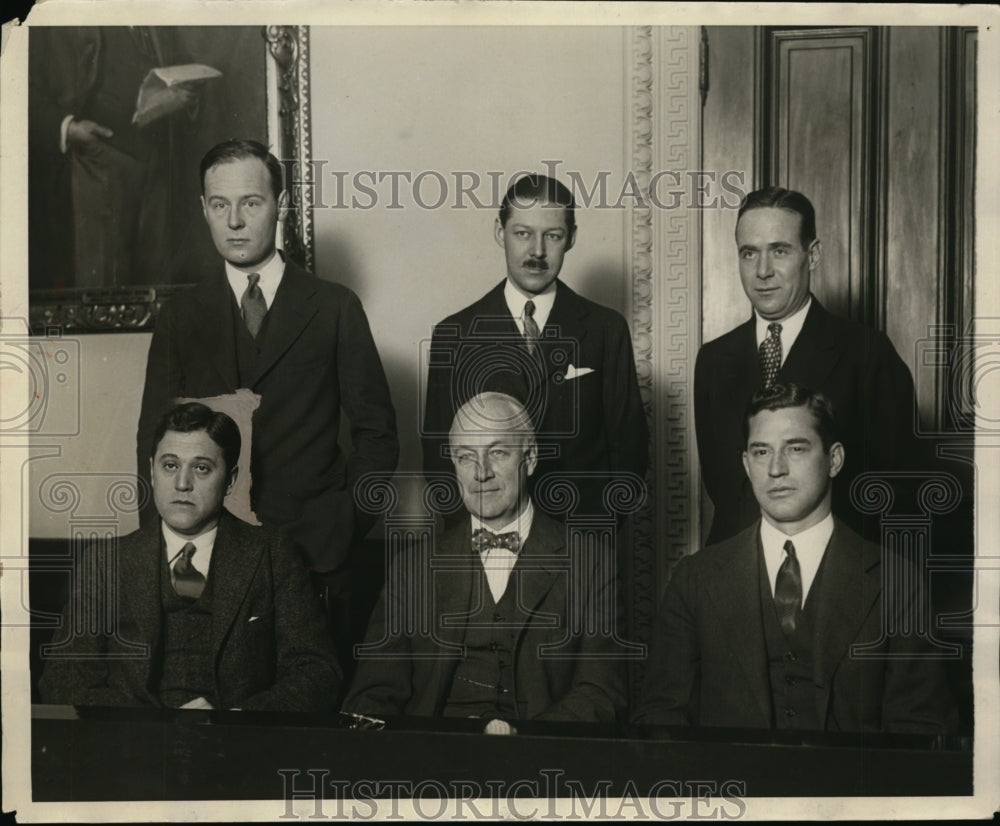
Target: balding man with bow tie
[(498, 630)]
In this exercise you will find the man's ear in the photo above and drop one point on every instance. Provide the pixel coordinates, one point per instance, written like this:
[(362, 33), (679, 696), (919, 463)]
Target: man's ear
[(836, 458), (531, 458), (746, 464), (815, 253), (204, 207), (498, 231), (283, 199), (232, 480)]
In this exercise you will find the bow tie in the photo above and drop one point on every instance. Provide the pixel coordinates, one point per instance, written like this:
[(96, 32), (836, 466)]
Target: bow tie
[(484, 540)]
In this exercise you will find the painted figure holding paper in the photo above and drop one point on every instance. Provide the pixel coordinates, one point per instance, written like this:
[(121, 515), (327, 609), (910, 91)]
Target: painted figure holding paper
[(98, 164)]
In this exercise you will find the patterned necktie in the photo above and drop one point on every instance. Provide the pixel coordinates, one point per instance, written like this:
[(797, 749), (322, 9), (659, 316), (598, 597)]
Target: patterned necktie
[(253, 305), (770, 354), (530, 327), (484, 540), (788, 590), (188, 580)]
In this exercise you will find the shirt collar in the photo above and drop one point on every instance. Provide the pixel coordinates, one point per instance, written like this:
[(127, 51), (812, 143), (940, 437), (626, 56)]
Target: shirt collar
[(790, 328), (270, 278), (543, 302), (520, 523), (810, 545), (204, 542)]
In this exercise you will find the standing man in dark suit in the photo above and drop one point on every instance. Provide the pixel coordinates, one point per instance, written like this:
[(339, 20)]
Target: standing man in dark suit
[(567, 359), (302, 344), (760, 630), (791, 338), (486, 624), (225, 610)]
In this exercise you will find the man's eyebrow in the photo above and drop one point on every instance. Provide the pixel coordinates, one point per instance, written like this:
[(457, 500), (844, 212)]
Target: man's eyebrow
[(798, 440), (757, 444)]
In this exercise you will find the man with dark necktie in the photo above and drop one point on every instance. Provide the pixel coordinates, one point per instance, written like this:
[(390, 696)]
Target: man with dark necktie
[(197, 609), (790, 337), (303, 345), (487, 624), (568, 359), (763, 630)]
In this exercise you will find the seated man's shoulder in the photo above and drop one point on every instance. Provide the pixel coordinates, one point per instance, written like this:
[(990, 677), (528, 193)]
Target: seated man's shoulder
[(723, 553)]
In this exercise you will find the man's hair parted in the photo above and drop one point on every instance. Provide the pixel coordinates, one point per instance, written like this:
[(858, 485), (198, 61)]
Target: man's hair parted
[(776, 196), (239, 149), (532, 189), (782, 396), (191, 417)]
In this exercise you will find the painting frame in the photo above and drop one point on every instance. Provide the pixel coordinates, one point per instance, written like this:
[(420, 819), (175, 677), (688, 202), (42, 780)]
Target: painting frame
[(133, 308)]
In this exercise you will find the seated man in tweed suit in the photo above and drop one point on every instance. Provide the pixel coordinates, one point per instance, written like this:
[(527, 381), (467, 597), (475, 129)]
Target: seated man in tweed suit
[(205, 611)]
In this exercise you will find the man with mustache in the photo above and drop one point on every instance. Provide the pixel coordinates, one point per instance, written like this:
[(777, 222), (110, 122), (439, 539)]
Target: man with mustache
[(566, 358), (789, 624)]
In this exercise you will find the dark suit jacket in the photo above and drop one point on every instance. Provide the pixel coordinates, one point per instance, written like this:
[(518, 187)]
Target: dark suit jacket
[(411, 673), (281, 661), (595, 421), (708, 663), (856, 367), (319, 357)]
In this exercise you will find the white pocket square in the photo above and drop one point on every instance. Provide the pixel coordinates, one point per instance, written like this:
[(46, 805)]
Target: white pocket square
[(252, 619), (574, 372)]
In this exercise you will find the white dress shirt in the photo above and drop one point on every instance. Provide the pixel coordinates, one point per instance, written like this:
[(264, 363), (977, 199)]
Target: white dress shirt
[(270, 277), (790, 329), (810, 545), (174, 542), (499, 562), (543, 304)]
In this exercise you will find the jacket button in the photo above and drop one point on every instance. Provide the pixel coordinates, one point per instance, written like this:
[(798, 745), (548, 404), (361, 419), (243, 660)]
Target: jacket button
[(789, 679), (497, 618), (493, 646), (790, 657), (789, 712)]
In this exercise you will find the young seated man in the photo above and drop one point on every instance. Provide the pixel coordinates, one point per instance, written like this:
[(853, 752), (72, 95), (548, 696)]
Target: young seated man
[(760, 630), (197, 609)]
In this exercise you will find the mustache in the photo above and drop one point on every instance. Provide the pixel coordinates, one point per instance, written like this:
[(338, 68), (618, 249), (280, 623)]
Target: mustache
[(536, 264)]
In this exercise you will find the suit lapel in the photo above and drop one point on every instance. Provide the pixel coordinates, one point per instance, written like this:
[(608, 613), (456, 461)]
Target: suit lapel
[(735, 601), (851, 586), (568, 320), (139, 581), (234, 565), (535, 572), (213, 328), (739, 370), (452, 585), (453, 605), (815, 352), (291, 311)]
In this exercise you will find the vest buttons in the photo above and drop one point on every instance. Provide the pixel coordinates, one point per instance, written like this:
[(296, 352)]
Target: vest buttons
[(789, 712), (789, 679), (790, 657)]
